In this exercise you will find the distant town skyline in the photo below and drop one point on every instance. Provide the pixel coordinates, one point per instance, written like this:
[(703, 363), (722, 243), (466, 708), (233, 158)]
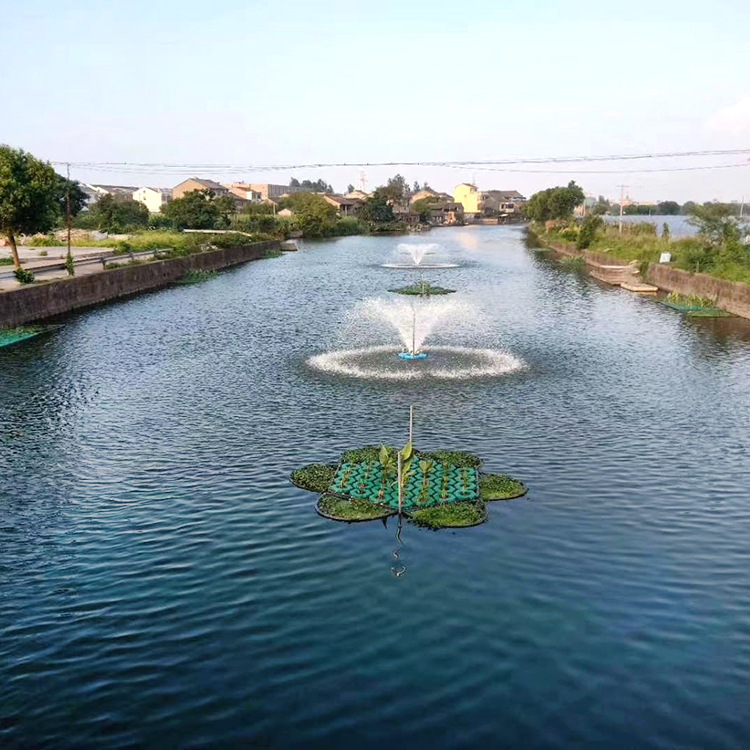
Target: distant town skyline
[(246, 83)]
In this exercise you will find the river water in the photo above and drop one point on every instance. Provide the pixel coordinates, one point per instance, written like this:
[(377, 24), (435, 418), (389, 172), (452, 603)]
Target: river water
[(162, 584)]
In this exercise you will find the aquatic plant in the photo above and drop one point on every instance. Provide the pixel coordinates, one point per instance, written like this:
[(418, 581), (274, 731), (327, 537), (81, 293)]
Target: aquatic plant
[(500, 487), (341, 509), (459, 459), (455, 515), (196, 276), (314, 477), (422, 289)]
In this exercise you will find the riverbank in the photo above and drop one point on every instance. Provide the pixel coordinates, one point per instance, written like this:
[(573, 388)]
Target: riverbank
[(41, 301), (728, 295)]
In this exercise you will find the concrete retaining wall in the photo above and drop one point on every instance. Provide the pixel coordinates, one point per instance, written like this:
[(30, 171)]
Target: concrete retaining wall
[(40, 301), (732, 296)]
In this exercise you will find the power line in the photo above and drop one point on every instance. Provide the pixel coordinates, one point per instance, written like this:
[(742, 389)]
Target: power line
[(475, 164)]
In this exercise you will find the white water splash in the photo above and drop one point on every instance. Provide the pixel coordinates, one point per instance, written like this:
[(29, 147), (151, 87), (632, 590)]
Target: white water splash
[(415, 321), (380, 363), (417, 251)]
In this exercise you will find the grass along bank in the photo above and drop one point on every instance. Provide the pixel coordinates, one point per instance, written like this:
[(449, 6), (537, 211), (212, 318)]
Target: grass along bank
[(718, 249)]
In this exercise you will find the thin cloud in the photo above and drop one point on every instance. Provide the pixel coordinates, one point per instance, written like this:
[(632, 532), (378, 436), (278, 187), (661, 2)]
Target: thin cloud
[(734, 119)]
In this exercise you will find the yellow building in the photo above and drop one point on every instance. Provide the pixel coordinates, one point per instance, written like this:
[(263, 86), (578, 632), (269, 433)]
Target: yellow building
[(469, 197)]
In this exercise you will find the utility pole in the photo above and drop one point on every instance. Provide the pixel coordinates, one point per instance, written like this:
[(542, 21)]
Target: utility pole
[(622, 198), (69, 259)]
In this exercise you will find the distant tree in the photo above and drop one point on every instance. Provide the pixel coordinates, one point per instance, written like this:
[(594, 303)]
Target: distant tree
[(424, 207), (31, 193), (78, 198), (395, 189), (257, 209), (226, 205), (312, 213), (601, 206), (197, 209), (377, 209), (415, 188), (687, 207), (554, 203), (716, 224), (668, 208), (114, 214), (350, 188), (317, 186)]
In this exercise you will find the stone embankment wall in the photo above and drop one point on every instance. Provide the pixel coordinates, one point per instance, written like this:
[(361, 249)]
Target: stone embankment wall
[(45, 300), (732, 296)]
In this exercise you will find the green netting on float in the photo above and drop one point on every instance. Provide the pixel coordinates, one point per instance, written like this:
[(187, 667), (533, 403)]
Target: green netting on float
[(12, 336), (444, 484)]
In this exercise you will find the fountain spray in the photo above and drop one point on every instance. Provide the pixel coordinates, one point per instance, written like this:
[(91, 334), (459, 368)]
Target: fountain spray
[(413, 353)]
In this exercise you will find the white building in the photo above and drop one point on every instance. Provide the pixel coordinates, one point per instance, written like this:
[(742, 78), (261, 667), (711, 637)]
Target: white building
[(153, 198)]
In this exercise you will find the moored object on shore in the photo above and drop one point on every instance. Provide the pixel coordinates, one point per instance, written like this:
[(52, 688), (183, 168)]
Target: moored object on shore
[(288, 246), (12, 336)]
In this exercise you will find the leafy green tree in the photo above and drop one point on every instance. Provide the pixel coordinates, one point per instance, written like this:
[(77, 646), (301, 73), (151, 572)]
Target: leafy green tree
[(554, 203), (317, 186), (312, 214), (687, 207), (226, 205), (668, 208), (350, 188), (377, 210), (395, 189), (716, 224), (197, 209), (424, 207), (30, 196), (114, 214), (257, 209)]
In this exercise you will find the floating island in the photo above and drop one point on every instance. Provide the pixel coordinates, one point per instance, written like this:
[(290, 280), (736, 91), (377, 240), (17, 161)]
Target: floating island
[(439, 489), (422, 289)]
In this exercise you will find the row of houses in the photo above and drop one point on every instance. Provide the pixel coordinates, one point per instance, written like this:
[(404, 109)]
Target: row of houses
[(155, 198), (467, 204)]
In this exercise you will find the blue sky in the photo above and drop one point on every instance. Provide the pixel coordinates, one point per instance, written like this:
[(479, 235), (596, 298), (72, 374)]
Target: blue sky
[(299, 82)]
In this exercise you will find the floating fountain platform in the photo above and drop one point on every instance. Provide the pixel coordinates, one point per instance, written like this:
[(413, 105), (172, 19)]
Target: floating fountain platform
[(422, 289), (412, 355), (419, 266)]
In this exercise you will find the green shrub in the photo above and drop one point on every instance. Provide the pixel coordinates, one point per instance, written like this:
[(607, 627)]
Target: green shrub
[(588, 230), (47, 241), (43, 254), (6, 261), (123, 248), (24, 276)]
